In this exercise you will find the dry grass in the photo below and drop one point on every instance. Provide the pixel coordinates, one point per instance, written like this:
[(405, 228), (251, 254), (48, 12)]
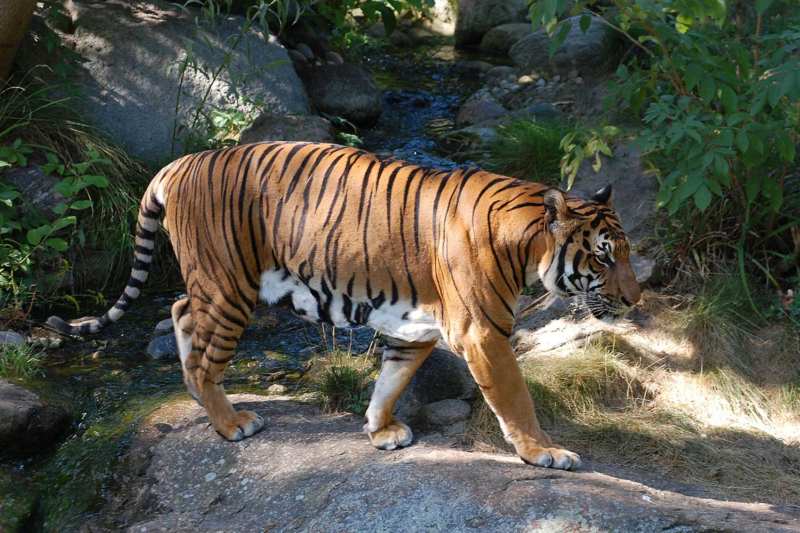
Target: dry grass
[(704, 395)]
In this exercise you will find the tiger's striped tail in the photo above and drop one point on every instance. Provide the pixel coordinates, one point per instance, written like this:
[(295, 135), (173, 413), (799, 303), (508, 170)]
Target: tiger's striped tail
[(150, 210)]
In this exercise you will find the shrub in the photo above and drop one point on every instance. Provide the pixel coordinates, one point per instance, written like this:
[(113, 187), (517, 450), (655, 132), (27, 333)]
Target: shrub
[(528, 149), (718, 89)]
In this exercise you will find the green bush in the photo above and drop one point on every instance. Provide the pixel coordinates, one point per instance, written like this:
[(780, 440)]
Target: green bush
[(20, 361), (717, 85)]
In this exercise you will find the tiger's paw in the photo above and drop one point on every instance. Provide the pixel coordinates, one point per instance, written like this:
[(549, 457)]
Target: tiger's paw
[(552, 458), (244, 424), (395, 435)]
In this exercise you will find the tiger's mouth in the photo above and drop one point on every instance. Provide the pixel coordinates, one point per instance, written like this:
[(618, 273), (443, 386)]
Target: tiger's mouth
[(599, 306)]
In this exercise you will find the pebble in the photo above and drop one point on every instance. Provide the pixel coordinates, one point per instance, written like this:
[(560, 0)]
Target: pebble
[(541, 82), (211, 476), (297, 57), (277, 388), (526, 79), (333, 58), (306, 50)]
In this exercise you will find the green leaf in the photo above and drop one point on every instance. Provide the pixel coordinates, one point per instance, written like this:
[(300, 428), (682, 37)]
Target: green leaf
[(702, 198), (742, 140), (729, 99), (708, 88), (81, 204), (62, 223), (101, 182), (773, 192), (786, 147), (59, 245), (751, 188), (585, 22), (35, 235), (694, 72)]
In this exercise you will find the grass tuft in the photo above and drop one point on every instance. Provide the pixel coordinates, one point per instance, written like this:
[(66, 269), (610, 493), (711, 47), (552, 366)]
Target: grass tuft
[(20, 361), (529, 149), (343, 380)]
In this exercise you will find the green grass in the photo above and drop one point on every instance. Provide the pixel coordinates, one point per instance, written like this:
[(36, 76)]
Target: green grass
[(20, 361), (529, 149), (342, 380)]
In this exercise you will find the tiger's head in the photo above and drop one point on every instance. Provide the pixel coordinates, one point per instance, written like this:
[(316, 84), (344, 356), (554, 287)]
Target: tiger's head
[(590, 257)]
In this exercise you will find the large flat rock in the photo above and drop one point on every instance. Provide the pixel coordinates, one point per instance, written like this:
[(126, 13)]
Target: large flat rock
[(314, 472)]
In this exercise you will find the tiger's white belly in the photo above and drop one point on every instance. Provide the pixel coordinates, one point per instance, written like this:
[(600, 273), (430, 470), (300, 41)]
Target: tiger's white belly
[(399, 320)]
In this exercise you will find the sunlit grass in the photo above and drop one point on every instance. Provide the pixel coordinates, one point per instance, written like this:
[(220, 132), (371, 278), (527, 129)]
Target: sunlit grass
[(20, 361)]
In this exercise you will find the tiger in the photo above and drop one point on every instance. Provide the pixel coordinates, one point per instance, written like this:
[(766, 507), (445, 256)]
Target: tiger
[(347, 238)]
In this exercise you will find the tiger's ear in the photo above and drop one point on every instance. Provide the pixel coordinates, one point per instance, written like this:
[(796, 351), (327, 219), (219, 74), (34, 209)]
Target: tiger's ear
[(603, 196), (556, 205)]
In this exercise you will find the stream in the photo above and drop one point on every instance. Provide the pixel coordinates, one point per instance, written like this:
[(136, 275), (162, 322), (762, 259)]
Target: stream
[(108, 382)]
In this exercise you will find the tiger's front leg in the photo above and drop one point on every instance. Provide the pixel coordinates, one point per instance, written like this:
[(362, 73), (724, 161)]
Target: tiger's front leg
[(494, 367), (399, 363)]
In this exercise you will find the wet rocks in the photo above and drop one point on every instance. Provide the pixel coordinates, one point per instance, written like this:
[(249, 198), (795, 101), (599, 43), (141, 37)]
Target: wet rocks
[(11, 337), (164, 327), (586, 52), (276, 127), (476, 17), (478, 108), (27, 423), (500, 39), (347, 91), (35, 186)]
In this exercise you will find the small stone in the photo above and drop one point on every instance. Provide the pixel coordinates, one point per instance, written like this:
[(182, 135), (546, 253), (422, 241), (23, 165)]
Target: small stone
[(573, 74), (277, 389), (556, 78), (526, 79), (97, 355), (164, 327), (541, 82), (445, 412), (211, 476), (297, 57), (306, 50), (579, 80), (163, 347), (11, 337), (333, 58)]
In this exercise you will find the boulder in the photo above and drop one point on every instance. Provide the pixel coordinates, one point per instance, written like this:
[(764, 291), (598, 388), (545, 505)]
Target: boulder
[(443, 376), (27, 424), (346, 91), (499, 73), (472, 68), (274, 127), (130, 72), (35, 186), (476, 17), (163, 327), (583, 52), (480, 107), (634, 189), (500, 39)]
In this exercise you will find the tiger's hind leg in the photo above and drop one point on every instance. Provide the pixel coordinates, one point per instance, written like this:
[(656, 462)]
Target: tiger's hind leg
[(399, 363), (183, 325), (211, 346)]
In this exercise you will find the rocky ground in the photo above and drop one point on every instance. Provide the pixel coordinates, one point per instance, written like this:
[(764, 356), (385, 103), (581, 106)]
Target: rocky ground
[(308, 471)]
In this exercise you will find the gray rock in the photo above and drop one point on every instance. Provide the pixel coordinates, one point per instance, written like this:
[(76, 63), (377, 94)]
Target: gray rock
[(163, 347), (443, 376), (11, 337), (272, 127), (333, 58), (539, 111), (163, 327), (476, 17), (27, 424), (297, 57), (634, 189), (400, 39), (345, 90), (643, 267), (479, 108), (500, 39), (129, 72), (35, 186), (473, 67), (586, 52), (306, 50), (445, 413), (499, 73), (314, 472)]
